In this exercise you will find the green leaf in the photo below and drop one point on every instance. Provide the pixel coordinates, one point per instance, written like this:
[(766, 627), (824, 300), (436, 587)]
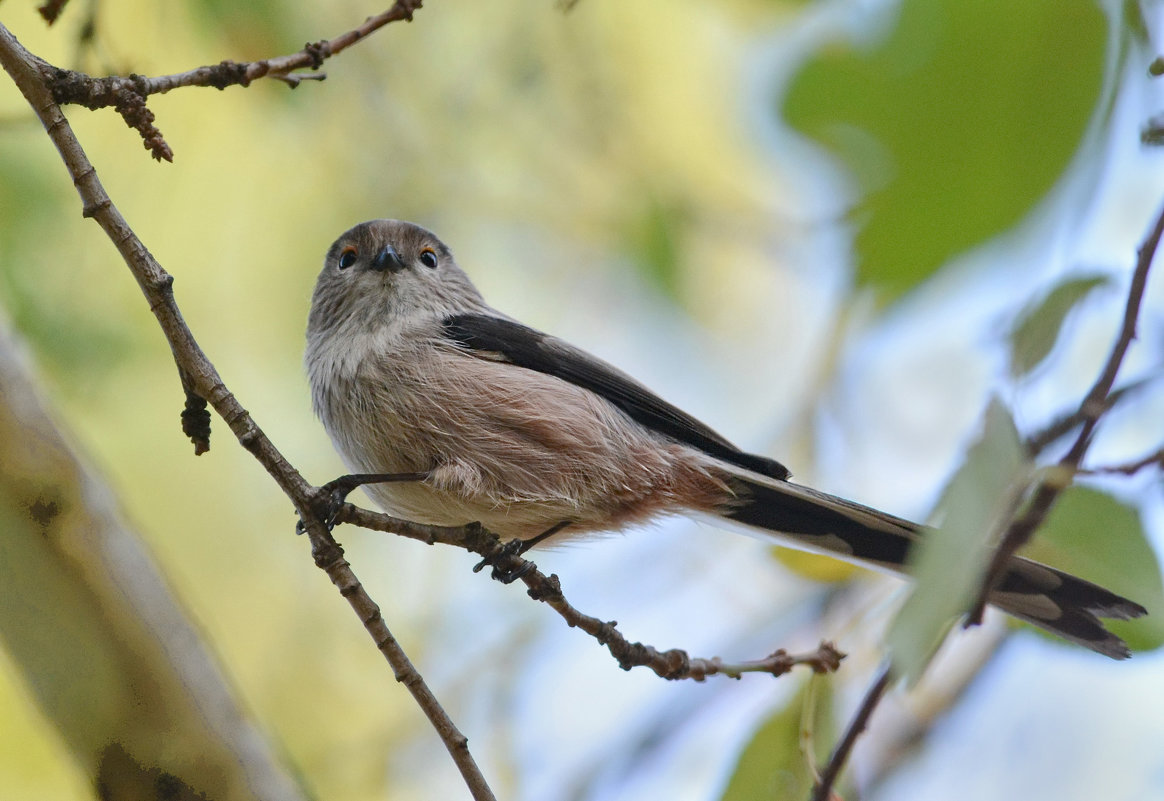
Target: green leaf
[(949, 562), (1093, 535), (1037, 328), (772, 764), (955, 124)]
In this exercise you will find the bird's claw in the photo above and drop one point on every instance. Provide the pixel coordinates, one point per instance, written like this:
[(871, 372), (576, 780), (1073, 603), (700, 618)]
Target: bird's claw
[(328, 502), (511, 550)]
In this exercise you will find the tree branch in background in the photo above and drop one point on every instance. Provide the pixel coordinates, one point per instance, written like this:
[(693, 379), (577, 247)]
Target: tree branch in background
[(1093, 407), (152, 705)]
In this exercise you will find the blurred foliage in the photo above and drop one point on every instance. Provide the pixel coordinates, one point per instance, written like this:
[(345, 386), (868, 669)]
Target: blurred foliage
[(656, 245), (942, 170), (1095, 536), (949, 562), (774, 764), (251, 30), (817, 567), (76, 336), (1037, 328)]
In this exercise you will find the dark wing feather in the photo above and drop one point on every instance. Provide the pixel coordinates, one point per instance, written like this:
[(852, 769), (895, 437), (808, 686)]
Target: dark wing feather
[(499, 338)]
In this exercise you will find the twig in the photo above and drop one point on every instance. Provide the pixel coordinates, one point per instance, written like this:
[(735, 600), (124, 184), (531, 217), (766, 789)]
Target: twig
[(329, 557), (128, 94), (75, 87), (823, 791), (1090, 411), (1039, 441), (200, 378), (294, 79), (673, 664), (1129, 469)]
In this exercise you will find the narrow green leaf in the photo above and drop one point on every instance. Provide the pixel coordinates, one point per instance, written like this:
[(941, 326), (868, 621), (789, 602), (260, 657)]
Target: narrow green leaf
[(950, 561), (1037, 329), (1093, 535)]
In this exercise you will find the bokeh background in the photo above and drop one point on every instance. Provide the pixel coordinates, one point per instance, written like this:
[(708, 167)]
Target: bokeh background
[(813, 225)]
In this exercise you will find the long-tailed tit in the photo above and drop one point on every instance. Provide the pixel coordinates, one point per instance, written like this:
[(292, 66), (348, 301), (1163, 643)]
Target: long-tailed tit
[(486, 420)]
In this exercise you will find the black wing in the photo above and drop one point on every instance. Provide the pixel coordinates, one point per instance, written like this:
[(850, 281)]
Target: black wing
[(525, 347)]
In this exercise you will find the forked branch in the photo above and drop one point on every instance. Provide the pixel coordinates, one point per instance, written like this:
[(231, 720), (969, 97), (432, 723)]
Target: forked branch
[(128, 94)]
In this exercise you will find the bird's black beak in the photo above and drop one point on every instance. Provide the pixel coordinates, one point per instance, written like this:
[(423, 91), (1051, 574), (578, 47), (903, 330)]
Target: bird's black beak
[(387, 259)]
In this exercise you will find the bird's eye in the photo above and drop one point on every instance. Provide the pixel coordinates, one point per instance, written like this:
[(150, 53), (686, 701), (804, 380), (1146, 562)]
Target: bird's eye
[(347, 257), (428, 258)]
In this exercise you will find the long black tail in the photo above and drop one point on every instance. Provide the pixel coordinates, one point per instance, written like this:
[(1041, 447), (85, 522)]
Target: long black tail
[(1048, 598)]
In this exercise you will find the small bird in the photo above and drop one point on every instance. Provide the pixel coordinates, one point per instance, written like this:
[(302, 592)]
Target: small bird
[(470, 416)]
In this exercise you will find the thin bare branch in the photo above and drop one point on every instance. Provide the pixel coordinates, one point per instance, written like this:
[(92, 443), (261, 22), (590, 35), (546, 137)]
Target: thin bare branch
[(673, 664), (199, 377), (128, 94), (823, 791), (1039, 441), (904, 727), (1130, 468), (1093, 407), (69, 87), (329, 557)]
